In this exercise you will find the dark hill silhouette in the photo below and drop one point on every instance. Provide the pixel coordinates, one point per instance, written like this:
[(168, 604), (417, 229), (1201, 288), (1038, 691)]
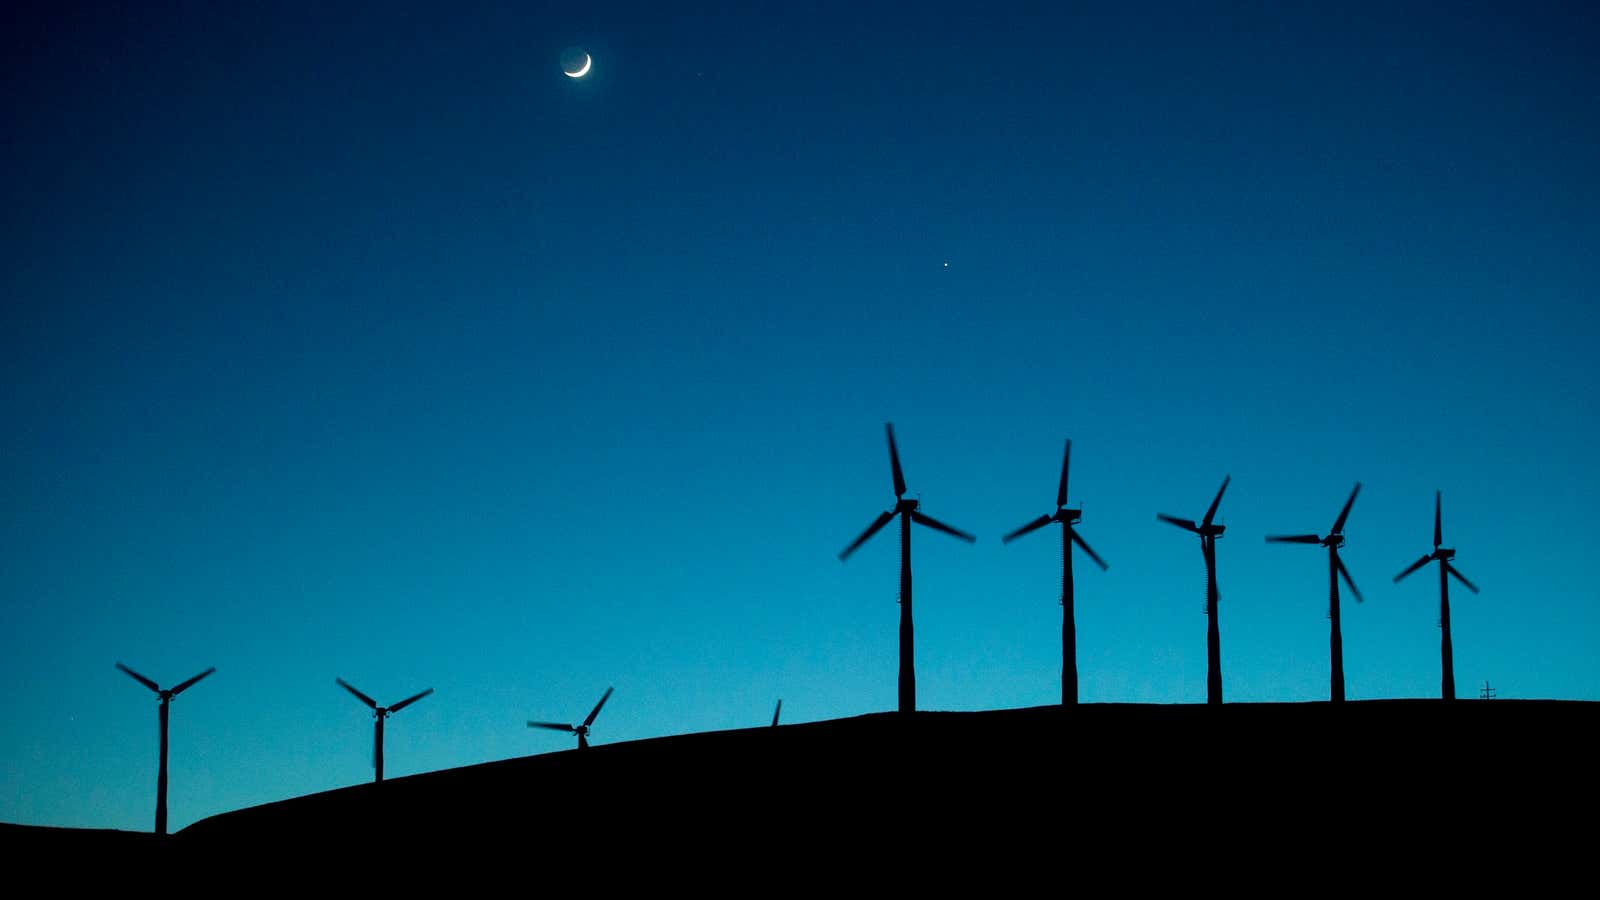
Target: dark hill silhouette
[(1131, 794), (1161, 772), (22, 841)]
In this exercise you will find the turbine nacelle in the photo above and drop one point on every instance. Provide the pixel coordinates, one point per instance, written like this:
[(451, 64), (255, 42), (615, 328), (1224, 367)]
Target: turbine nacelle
[(905, 506), (1207, 527), (1332, 541), (164, 695), (1067, 517), (1441, 554), (581, 730), (381, 712), (1204, 529), (1335, 537)]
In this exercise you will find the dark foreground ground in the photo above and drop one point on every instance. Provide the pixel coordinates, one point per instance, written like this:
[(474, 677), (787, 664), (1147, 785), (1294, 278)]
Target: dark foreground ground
[(1005, 791)]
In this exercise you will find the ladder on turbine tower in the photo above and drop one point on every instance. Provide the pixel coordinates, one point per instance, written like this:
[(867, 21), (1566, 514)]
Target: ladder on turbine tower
[(1486, 692)]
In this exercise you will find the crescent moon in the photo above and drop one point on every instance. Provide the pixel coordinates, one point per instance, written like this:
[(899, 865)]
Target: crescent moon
[(587, 62)]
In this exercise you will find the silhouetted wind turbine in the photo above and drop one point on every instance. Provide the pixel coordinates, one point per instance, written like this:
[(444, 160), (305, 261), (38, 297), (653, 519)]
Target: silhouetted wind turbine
[(582, 731), (1443, 555), (775, 712), (908, 513), (379, 713), (166, 699), (1208, 533), (1069, 535), (1336, 569)]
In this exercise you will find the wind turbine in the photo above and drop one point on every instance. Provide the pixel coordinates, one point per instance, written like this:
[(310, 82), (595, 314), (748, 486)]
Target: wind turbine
[(775, 712), (1336, 570), (166, 700), (908, 512), (1208, 533), (582, 731), (1069, 535), (379, 713), (1443, 555)]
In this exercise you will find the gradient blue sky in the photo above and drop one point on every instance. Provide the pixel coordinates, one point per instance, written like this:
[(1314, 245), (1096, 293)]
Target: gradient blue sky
[(360, 342)]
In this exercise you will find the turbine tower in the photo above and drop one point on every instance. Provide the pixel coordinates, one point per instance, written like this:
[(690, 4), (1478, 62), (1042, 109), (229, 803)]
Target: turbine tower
[(379, 713), (777, 709), (1069, 536), (1336, 570), (908, 512), (582, 731), (1208, 533), (166, 700), (1443, 555)]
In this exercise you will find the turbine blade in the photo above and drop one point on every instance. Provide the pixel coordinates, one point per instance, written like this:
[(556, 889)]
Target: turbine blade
[(1460, 577), (940, 526), (1066, 458), (1078, 539), (596, 711), (1413, 567), (1035, 525), (1345, 574), (894, 463), (872, 529), (140, 678), (553, 726), (190, 683), (409, 700), (1338, 524), (1212, 512), (1438, 516), (1293, 539), (775, 712), (1185, 524), (359, 696)]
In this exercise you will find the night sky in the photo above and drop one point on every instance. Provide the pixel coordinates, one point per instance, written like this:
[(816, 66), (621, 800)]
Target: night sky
[(349, 340)]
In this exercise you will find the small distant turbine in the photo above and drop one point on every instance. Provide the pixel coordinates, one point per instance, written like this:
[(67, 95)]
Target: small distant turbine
[(166, 699), (379, 713), (775, 712), (1336, 570), (582, 731), (1446, 571)]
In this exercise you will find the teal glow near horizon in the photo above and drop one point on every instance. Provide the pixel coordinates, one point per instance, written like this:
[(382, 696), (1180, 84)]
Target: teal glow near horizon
[(362, 343)]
